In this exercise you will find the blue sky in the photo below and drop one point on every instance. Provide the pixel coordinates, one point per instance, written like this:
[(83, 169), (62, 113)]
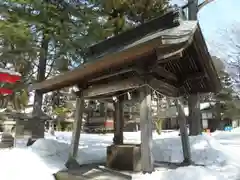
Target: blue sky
[(217, 21)]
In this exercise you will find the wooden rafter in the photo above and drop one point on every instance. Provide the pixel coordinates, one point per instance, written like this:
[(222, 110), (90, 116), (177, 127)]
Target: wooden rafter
[(161, 71)]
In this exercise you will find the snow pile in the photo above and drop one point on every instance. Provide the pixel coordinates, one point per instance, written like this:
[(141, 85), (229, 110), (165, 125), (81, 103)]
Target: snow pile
[(21, 142), (22, 164), (47, 156), (236, 129), (55, 153), (205, 151), (187, 173)]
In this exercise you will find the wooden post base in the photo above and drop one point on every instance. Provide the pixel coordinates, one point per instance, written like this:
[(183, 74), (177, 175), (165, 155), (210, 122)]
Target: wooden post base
[(126, 157), (72, 164)]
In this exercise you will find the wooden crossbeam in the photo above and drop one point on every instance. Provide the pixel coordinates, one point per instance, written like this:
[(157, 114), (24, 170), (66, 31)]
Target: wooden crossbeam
[(112, 87)]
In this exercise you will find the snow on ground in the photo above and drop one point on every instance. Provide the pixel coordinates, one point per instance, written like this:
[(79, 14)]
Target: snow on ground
[(218, 154), (186, 173), (23, 164)]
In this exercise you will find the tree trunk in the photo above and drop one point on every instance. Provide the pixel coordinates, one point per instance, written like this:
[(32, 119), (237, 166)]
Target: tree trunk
[(194, 119), (38, 98)]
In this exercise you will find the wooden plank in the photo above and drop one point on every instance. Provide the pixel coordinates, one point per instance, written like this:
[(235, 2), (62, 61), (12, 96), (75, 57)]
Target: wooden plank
[(112, 87), (77, 126), (146, 127)]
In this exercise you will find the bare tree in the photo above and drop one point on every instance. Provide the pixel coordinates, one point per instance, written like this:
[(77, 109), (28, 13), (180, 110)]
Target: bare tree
[(232, 39)]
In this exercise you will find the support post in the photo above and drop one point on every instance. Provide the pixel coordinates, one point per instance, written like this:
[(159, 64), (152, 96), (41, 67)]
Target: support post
[(184, 134), (195, 119), (77, 126), (146, 127), (118, 121)]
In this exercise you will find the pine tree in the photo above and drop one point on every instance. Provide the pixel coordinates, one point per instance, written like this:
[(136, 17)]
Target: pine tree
[(120, 15)]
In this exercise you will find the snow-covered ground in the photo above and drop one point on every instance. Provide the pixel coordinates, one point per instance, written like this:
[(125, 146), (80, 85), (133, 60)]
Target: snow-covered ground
[(218, 154)]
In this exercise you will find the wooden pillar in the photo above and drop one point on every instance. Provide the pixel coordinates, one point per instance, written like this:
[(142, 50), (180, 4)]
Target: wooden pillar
[(195, 119), (118, 121), (184, 134), (77, 126), (146, 127)]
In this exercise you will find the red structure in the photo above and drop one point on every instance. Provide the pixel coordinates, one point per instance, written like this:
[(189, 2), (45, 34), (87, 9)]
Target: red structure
[(9, 77)]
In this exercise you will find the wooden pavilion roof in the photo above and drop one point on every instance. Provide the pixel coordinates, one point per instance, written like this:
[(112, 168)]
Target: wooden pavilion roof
[(167, 53)]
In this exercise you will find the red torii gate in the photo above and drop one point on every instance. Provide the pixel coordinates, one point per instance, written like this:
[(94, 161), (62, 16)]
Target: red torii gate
[(8, 76)]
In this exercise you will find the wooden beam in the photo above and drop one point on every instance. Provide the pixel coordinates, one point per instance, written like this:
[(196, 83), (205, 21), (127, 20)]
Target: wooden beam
[(146, 127), (77, 126), (112, 87)]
